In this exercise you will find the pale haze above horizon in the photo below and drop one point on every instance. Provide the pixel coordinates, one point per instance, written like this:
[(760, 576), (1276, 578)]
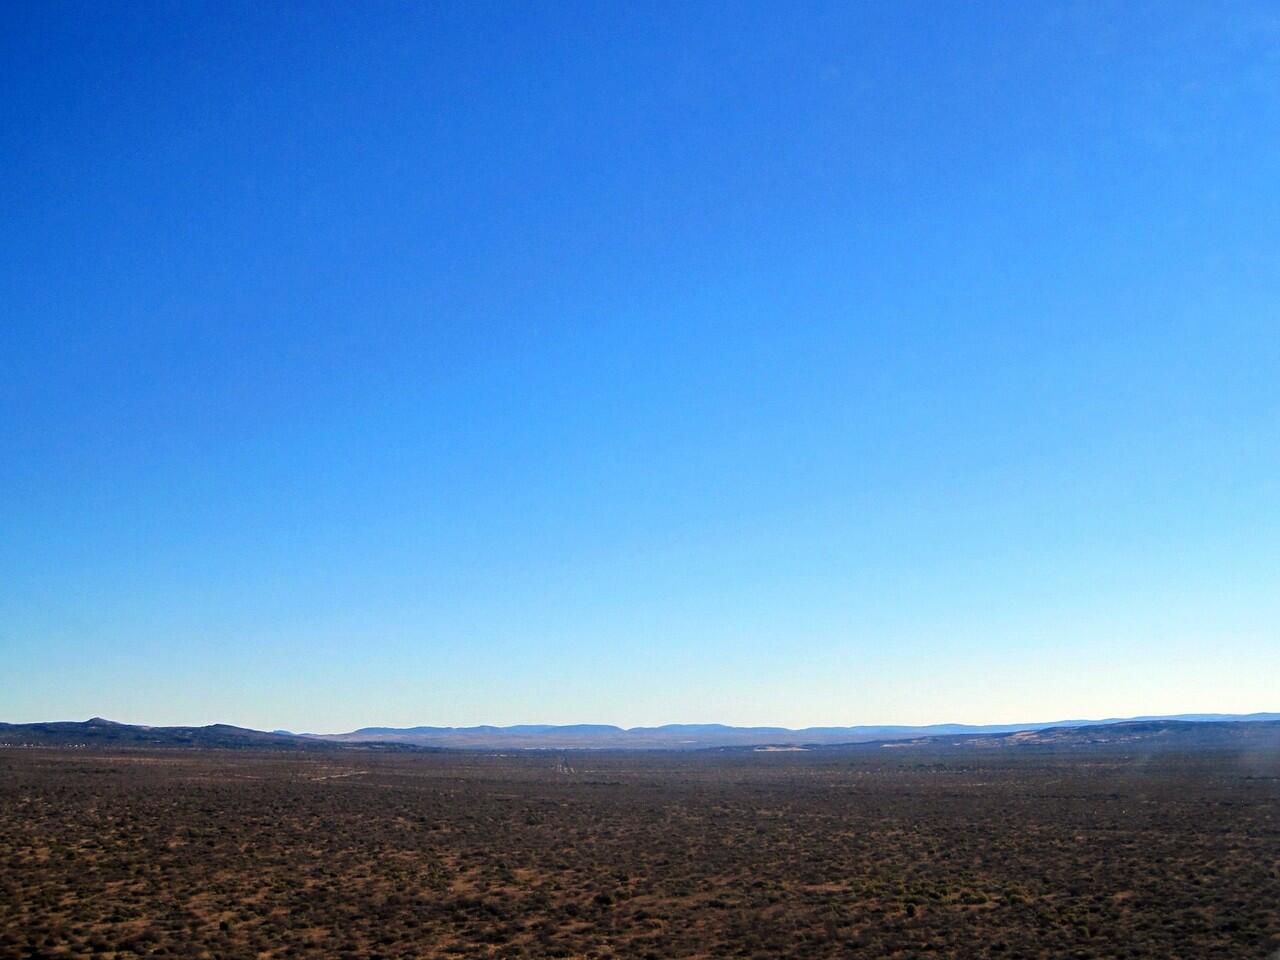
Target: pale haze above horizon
[(810, 364)]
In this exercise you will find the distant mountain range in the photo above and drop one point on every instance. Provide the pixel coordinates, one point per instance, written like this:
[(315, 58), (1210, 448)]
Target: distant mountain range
[(691, 736), (1226, 729)]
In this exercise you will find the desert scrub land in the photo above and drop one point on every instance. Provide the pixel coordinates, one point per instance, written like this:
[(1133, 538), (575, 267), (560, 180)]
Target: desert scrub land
[(830, 853)]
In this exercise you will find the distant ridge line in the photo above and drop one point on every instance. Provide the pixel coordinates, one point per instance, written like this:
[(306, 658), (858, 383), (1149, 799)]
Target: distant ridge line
[(703, 735), (101, 732)]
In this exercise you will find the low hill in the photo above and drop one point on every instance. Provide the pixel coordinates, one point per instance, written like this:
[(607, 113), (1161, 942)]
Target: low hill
[(98, 732), (1129, 736)]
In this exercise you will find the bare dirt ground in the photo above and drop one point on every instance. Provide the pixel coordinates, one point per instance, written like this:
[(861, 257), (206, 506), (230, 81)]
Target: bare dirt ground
[(825, 853)]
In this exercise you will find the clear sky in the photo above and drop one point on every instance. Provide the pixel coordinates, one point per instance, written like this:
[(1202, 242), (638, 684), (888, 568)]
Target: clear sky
[(780, 363)]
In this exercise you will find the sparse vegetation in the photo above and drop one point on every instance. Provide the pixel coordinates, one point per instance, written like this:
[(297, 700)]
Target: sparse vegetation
[(832, 854)]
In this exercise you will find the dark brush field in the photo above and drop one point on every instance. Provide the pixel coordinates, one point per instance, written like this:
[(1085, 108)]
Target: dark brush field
[(871, 853)]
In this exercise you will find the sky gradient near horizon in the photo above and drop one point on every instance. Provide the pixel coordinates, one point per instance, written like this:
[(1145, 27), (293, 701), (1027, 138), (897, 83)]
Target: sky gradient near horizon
[(796, 364)]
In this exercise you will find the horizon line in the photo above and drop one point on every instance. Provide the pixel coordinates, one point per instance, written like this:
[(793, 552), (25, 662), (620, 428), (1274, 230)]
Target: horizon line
[(659, 726)]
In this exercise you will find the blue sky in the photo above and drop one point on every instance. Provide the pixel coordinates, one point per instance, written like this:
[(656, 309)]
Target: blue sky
[(637, 363)]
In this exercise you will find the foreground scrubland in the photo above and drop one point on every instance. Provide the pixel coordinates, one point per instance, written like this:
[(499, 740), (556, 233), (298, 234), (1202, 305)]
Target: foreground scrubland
[(862, 853)]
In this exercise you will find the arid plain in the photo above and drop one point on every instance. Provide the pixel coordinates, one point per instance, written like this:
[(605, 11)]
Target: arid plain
[(825, 853)]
